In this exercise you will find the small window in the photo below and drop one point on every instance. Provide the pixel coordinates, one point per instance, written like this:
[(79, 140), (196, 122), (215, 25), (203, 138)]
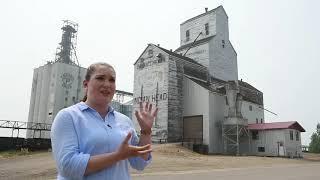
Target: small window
[(66, 99), (223, 43), (226, 100), (207, 28), (250, 108), (297, 136), (261, 120), (291, 135), (261, 149), (257, 121), (160, 57), (255, 135), (150, 53), (187, 35)]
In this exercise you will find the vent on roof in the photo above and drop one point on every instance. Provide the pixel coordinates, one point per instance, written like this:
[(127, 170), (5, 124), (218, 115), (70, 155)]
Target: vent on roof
[(206, 9)]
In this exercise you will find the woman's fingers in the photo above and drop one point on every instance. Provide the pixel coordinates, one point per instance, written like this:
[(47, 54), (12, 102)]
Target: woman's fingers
[(140, 150), (150, 108), (138, 116), (155, 112), (146, 105), (144, 152), (141, 106), (125, 141)]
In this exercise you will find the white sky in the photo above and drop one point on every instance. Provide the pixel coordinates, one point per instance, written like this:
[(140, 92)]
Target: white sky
[(277, 42)]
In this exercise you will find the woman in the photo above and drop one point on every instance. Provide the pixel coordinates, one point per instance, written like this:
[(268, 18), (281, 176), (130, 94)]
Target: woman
[(90, 140)]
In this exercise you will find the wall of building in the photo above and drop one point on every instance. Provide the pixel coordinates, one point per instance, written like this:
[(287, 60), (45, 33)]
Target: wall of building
[(293, 147), (217, 112), (197, 25), (175, 103), (252, 114), (199, 53), (148, 72), (269, 139), (223, 59), (217, 54), (196, 102), (55, 86), (66, 87), (40, 92)]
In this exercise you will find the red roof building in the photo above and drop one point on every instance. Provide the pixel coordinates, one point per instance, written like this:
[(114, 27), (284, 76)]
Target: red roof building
[(277, 125)]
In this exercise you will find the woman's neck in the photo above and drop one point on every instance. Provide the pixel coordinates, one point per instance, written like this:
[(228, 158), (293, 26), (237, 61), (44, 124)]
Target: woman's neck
[(102, 109)]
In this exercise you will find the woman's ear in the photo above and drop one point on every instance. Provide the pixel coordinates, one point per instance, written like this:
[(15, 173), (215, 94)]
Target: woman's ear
[(85, 83)]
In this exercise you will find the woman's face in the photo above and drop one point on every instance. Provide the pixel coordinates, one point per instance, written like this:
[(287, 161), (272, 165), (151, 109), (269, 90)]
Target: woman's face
[(101, 86)]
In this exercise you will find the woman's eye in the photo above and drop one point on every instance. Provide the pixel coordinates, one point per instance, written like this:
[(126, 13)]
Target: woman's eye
[(99, 78)]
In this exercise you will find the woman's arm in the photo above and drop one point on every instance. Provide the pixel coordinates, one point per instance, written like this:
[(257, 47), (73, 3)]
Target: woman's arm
[(75, 164), (145, 117)]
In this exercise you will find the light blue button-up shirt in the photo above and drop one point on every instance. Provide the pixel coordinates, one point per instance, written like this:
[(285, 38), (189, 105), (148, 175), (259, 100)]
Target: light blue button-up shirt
[(79, 132)]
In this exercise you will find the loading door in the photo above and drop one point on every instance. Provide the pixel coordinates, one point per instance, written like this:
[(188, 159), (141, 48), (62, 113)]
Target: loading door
[(193, 129)]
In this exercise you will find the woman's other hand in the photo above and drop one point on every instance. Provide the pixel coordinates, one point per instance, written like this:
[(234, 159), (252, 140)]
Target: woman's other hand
[(126, 150), (146, 116)]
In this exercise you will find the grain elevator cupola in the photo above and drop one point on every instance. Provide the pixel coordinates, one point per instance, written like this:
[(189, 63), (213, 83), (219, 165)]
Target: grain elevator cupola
[(66, 52)]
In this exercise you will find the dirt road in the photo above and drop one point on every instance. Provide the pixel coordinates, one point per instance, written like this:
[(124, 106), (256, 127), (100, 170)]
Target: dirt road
[(167, 159), (277, 172)]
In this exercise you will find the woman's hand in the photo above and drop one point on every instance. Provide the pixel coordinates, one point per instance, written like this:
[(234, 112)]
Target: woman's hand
[(146, 116), (126, 150)]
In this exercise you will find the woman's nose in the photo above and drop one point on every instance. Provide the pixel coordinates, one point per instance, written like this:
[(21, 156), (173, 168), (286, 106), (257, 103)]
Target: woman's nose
[(107, 83)]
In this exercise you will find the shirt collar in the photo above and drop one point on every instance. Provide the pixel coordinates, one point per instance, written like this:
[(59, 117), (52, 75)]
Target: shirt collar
[(83, 106)]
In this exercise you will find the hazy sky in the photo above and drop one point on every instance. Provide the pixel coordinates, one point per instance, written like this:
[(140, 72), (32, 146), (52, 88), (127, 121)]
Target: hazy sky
[(277, 42)]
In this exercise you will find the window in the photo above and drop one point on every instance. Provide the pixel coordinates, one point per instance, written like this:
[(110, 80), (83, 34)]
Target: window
[(255, 135), (261, 120), (261, 149), (250, 108), (150, 53), (291, 135), (207, 28), (66, 99), (226, 100), (297, 136), (160, 58), (187, 35), (257, 121), (223, 43)]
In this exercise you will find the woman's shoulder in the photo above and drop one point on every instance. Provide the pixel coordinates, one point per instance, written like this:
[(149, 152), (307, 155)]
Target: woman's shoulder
[(69, 111)]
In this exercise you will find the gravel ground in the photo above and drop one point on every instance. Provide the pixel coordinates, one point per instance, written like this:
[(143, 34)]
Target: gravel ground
[(167, 158)]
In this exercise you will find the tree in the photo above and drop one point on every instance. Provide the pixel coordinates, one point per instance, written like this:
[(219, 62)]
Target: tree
[(314, 145)]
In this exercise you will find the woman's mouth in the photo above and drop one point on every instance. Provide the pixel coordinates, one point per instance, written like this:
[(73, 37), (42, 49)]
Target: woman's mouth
[(105, 93)]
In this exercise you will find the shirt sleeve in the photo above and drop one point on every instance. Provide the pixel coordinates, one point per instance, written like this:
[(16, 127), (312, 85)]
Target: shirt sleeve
[(138, 163), (69, 160)]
